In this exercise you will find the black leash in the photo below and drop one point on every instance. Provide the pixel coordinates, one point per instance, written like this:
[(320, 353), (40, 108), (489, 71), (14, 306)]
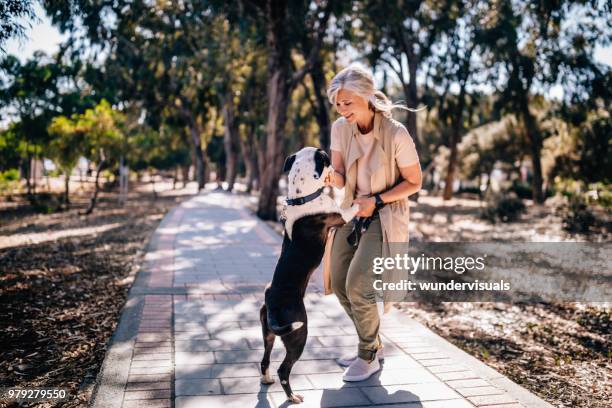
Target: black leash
[(360, 226)]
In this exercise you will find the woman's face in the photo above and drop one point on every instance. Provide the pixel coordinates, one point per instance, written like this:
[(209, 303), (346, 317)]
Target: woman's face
[(352, 106)]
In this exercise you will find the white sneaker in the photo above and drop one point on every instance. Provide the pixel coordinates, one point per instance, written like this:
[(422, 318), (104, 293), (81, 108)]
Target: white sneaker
[(361, 370), (347, 361)]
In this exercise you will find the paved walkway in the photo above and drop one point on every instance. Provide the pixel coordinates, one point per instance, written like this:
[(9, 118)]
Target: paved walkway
[(189, 335)]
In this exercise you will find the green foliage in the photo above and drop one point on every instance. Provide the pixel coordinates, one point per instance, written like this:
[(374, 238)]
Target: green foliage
[(162, 150), (68, 144), (10, 154), (9, 181), (589, 193), (102, 126), (45, 203), (577, 217), (587, 152), (9, 175), (97, 134), (12, 15), (484, 146), (524, 190)]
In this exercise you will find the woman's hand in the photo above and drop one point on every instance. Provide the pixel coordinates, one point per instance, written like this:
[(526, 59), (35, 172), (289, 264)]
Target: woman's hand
[(366, 206)]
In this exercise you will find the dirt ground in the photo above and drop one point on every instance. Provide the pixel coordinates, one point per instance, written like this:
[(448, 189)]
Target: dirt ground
[(64, 278), (561, 352)]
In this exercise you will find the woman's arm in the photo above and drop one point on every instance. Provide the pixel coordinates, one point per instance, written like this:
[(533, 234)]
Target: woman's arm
[(336, 178), (411, 183)]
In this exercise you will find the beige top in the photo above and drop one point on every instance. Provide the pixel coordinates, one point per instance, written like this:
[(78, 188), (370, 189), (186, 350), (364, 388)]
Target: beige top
[(392, 148), (405, 155)]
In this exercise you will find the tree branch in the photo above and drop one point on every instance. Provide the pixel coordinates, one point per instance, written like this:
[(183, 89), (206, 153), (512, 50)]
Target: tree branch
[(314, 51), (390, 65)]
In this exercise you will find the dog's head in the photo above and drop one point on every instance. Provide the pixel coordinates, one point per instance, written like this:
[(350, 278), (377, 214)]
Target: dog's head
[(307, 170)]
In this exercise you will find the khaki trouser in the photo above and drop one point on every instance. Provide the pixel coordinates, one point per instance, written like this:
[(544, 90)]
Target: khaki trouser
[(352, 279)]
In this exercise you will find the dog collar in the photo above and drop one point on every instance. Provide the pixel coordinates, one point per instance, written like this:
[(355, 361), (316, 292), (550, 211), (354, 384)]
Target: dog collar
[(305, 199)]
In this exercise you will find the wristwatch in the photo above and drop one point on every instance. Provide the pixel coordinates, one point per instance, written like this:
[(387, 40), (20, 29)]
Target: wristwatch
[(379, 202)]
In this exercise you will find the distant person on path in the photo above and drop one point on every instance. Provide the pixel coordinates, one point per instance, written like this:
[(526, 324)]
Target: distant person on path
[(375, 160)]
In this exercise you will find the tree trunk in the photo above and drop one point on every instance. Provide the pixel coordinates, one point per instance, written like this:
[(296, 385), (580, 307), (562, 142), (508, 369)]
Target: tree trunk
[(47, 181), (277, 117), (67, 188), (278, 100), (25, 167), (185, 176), (231, 141), (412, 100), (152, 180), (322, 109), (261, 159), (198, 153), (455, 138), (94, 197), (247, 149), (533, 134), (33, 172), (488, 186), (452, 161)]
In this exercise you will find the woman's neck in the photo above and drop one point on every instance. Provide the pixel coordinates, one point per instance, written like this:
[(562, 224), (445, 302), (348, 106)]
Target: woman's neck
[(367, 124)]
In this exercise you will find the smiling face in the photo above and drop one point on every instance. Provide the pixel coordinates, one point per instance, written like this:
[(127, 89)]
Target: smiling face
[(352, 106)]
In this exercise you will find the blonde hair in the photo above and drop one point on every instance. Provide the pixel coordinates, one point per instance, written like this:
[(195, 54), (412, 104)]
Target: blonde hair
[(361, 81)]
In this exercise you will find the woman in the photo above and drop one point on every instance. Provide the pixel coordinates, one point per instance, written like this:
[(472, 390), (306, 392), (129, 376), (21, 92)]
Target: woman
[(375, 160)]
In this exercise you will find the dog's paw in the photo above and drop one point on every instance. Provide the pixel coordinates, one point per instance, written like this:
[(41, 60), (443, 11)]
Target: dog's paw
[(350, 213), (267, 380), (296, 398)]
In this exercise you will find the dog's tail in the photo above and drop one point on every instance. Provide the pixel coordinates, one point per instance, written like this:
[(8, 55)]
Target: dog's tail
[(274, 326), (286, 329)]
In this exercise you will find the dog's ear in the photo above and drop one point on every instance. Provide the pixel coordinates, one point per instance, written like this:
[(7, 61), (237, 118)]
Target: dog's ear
[(288, 163), (321, 161)]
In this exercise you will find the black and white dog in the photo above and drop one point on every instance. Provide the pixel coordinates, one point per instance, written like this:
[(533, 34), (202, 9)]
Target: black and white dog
[(309, 214)]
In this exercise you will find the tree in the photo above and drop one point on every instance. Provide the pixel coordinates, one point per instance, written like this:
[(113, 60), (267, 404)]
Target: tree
[(33, 93), (454, 65), (283, 24), (534, 47), (10, 157), (103, 140), (157, 55), (253, 109), (401, 35), (11, 12), (485, 146), (66, 148), (235, 54)]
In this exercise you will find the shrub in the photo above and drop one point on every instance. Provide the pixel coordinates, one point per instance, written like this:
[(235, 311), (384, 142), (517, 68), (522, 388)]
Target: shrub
[(504, 209), (524, 190), (577, 217), (469, 190), (46, 203), (9, 180)]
